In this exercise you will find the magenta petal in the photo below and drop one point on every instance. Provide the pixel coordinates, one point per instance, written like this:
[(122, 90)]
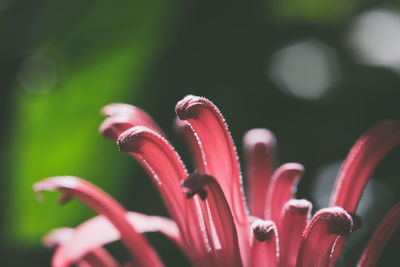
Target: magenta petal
[(167, 171), (218, 151), (219, 157), (96, 257), (122, 117), (100, 258), (260, 151), (265, 246), (186, 131), (361, 162), (294, 219), (219, 223), (102, 203), (320, 236), (163, 165), (57, 237), (86, 236), (381, 236), (282, 189)]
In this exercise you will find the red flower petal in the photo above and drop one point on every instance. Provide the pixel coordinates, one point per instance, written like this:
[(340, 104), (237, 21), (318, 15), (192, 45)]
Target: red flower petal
[(282, 189), (100, 258), (97, 257), (320, 236), (219, 223), (215, 142), (57, 237), (122, 117), (381, 236), (219, 157), (265, 247), (260, 151), (185, 130), (86, 236), (361, 162), (166, 170), (294, 219), (162, 164), (102, 203)]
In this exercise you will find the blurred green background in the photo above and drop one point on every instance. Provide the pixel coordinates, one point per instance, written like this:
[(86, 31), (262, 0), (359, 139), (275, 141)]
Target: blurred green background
[(317, 73)]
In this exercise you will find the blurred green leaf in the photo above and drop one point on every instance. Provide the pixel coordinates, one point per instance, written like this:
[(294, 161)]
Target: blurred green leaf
[(101, 52)]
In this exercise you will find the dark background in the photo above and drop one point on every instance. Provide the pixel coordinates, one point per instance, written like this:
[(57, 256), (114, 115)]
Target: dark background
[(62, 61)]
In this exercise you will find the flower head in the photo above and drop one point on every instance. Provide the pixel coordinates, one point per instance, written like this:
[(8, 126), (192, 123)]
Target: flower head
[(210, 220)]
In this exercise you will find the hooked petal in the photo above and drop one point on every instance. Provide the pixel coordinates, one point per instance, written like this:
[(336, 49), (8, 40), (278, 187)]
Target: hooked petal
[(167, 171), (294, 219), (265, 246), (282, 189), (102, 203), (122, 117), (219, 222), (364, 156), (219, 157), (161, 162), (218, 151), (320, 236), (260, 151), (381, 236)]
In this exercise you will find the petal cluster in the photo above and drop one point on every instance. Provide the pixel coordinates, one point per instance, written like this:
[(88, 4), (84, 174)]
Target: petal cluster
[(211, 221)]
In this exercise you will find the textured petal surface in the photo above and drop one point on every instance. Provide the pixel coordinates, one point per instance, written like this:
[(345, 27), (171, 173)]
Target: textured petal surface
[(167, 171), (320, 236), (265, 246), (219, 157)]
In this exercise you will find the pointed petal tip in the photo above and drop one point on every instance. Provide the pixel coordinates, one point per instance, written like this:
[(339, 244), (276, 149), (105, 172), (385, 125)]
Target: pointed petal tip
[(257, 136), (263, 229)]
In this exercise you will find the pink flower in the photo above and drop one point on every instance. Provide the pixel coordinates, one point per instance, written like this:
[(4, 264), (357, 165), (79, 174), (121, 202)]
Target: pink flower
[(211, 222)]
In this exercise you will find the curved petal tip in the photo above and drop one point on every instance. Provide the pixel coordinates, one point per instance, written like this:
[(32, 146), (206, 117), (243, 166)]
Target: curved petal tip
[(127, 141), (340, 221), (186, 108)]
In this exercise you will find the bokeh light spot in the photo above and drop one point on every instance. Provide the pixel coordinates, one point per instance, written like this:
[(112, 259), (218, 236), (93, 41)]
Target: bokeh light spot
[(306, 69), (375, 38), (38, 74)]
